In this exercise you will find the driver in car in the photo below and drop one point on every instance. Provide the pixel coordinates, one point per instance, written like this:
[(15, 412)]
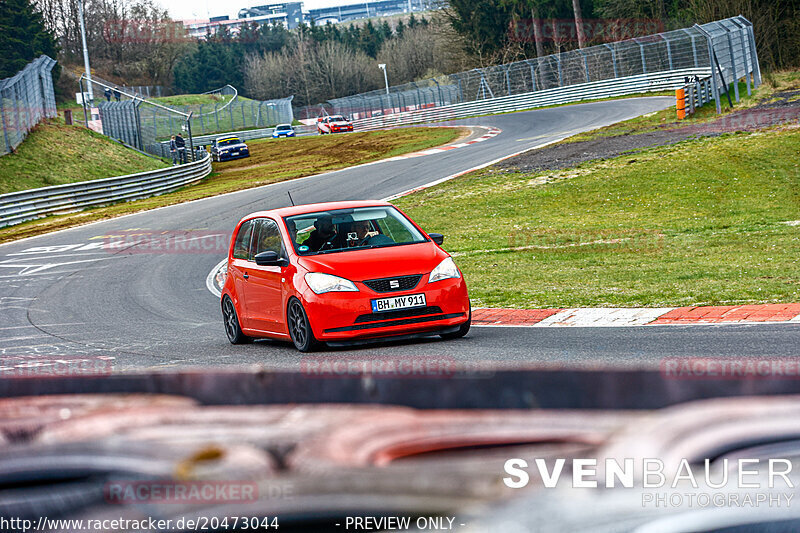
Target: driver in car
[(367, 236)]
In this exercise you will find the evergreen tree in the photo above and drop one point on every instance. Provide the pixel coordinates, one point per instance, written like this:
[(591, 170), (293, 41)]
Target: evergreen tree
[(23, 36)]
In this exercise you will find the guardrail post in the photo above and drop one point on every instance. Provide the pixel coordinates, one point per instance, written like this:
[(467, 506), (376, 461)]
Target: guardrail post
[(694, 46), (508, 80), (641, 51), (17, 114), (751, 40), (533, 74), (733, 64), (560, 73), (714, 85), (613, 60), (3, 118), (83, 103), (138, 124), (439, 89), (669, 51), (585, 65), (191, 140), (747, 68)]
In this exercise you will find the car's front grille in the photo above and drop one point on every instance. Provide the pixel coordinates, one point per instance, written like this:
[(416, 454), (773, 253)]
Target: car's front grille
[(399, 283), (403, 313)]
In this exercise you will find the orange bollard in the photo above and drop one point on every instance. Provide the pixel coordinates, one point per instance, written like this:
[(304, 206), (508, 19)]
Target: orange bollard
[(680, 96)]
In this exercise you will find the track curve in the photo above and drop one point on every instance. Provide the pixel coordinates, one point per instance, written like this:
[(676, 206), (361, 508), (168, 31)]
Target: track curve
[(63, 295)]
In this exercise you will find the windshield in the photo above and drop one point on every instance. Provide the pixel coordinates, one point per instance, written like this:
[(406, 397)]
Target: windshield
[(336, 118), (229, 141), (348, 229), (284, 127)]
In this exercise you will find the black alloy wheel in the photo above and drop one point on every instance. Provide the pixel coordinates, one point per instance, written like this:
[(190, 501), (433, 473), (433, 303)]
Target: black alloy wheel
[(300, 328), (231, 320)]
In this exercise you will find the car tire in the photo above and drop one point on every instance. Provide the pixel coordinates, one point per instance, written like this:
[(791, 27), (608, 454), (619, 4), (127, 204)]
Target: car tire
[(231, 321), (463, 330), (299, 327)]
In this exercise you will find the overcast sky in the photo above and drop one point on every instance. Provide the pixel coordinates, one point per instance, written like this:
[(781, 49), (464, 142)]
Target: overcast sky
[(202, 9)]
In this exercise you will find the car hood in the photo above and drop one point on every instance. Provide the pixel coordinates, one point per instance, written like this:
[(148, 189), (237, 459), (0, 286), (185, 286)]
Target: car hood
[(358, 265), (339, 123)]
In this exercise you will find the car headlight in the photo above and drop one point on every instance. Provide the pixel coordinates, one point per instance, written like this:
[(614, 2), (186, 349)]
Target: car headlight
[(321, 283), (445, 270)]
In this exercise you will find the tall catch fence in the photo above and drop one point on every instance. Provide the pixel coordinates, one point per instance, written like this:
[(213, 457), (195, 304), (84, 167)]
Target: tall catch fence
[(25, 99), (724, 48), (146, 124)]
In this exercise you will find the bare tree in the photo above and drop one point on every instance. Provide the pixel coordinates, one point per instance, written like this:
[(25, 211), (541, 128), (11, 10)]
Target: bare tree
[(576, 9)]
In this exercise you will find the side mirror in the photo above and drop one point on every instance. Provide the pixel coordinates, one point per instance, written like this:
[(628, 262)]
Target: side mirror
[(269, 258), (438, 238)]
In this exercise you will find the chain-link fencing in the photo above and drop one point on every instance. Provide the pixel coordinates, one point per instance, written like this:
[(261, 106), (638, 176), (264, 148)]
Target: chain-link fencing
[(25, 99), (726, 47), (146, 124)]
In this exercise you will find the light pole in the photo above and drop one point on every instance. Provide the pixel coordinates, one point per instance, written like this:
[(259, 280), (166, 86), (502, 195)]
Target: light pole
[(85, 53), (382, 66)]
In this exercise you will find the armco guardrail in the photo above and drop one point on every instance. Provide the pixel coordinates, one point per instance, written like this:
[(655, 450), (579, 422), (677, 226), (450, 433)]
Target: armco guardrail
[(20, 206), (642, 83)]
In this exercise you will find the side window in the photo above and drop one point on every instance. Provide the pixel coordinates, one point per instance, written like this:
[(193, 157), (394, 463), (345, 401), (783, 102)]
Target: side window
[(268, 238), (242, 244)]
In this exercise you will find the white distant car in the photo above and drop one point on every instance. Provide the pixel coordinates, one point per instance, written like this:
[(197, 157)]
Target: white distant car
[(283, 130)]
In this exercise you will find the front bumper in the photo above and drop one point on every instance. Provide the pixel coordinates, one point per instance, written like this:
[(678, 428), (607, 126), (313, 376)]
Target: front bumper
[(340, 316), (228, 157)]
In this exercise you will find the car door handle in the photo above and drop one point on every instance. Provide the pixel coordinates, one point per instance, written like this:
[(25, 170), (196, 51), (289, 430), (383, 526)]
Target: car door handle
[(246, 276)]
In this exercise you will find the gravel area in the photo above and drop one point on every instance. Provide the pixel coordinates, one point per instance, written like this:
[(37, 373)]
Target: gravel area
[(782, 107)]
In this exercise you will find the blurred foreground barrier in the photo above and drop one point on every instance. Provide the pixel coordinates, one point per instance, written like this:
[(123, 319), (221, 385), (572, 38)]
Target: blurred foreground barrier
[(464, 388)]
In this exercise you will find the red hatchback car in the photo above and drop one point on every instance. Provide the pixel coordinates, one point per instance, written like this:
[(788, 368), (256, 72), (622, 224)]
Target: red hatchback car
[(340, 272)]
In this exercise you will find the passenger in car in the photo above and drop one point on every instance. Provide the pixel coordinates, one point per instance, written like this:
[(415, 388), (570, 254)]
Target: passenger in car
[(323, 235)]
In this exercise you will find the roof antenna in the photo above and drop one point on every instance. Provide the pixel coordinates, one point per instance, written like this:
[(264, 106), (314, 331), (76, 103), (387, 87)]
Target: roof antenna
[(290, 198)]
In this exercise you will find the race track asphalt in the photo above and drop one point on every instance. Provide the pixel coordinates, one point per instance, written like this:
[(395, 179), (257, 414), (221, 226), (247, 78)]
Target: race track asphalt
[(154, 310)]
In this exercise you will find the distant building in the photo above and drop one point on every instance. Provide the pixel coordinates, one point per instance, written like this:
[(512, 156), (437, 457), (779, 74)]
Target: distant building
[(291, 14), (379, 8)]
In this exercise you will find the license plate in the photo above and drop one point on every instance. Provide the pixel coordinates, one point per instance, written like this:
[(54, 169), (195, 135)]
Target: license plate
[(234, 153), (398, 302)]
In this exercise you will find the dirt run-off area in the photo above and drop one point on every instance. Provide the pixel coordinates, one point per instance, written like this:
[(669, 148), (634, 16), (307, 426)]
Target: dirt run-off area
[(782, 107)]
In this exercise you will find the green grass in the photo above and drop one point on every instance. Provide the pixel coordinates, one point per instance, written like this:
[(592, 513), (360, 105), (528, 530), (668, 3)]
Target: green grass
[(271, 161), (698, 223), (180, 100), (54, 154)]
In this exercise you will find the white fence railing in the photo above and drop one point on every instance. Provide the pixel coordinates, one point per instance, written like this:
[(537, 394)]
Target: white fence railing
[(20, 206), (642, 83)]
